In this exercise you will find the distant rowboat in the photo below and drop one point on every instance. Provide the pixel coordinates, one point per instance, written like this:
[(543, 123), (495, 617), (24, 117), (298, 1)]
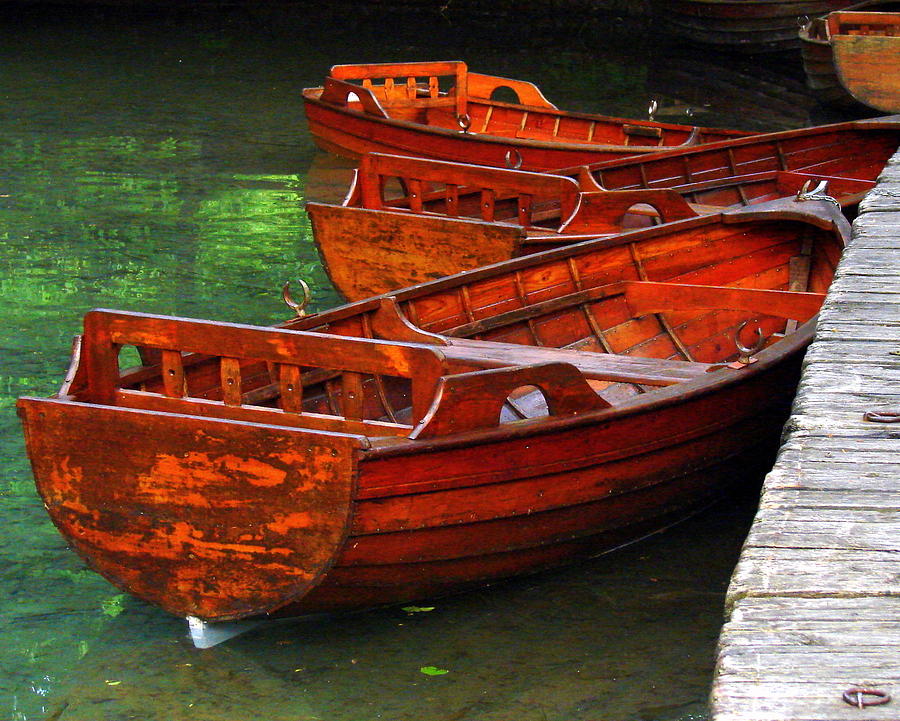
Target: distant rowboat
[(410, 112), (818, 57), (866, 47)]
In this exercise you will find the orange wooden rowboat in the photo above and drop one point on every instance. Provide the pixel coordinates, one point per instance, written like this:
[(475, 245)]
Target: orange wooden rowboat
[(488, 424), (410, 112), (408, 220), (866, 47)]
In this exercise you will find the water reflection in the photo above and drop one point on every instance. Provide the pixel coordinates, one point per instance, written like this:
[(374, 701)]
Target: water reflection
[(160, 164), (582, 643)]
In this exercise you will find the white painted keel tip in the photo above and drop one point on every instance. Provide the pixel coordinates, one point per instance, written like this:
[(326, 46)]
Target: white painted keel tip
[(206, 635)]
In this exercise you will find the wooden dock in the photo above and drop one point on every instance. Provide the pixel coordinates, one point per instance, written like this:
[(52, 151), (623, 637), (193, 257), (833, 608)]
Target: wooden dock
[(813, 610)]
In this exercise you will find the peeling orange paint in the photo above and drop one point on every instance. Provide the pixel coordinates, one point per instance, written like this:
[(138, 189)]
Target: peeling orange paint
[(291, 521)]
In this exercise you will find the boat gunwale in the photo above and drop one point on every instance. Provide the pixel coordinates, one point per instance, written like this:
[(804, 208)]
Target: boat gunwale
[(883, 122), (469, 136), (778, 209)]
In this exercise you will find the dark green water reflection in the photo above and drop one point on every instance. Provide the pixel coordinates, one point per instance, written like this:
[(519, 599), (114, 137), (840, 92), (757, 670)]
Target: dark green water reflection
[(162, 166)]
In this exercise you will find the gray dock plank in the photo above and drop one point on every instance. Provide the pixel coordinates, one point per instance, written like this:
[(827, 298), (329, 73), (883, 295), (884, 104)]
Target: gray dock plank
[(813, 608)]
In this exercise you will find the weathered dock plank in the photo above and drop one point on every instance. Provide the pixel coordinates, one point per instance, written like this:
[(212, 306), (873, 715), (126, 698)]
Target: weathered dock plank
[(813, 608)]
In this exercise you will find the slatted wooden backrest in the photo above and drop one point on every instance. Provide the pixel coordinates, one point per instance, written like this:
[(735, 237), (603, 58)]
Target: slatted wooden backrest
[(408, 90), (106, 331), (493, 184)]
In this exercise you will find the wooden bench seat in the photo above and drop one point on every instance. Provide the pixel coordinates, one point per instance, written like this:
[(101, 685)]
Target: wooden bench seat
[(595, 366)]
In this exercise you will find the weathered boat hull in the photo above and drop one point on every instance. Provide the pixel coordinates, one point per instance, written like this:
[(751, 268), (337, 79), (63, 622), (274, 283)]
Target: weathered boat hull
[(818, 57), (747, 25), (352, 120), (866, 47), (397, 447)]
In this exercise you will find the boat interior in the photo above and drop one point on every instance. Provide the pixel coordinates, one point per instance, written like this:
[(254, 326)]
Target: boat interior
[(849, 159), (446, 95), (586, 328), (575, 205)]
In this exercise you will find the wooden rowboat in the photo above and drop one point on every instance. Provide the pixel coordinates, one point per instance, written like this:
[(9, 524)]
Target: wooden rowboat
[(410, 112), (818, 57), (407, 220), (745, 25), (484, 425), (866, 47)]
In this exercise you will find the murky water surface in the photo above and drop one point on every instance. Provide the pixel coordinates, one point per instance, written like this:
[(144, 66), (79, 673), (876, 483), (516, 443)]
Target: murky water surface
[(161, 165)]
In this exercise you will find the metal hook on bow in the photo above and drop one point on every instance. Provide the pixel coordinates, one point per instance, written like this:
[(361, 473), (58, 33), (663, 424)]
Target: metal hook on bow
[(807, 192), (298, 308), (652, 108), (747, 353), (513, 159), (464, 122)]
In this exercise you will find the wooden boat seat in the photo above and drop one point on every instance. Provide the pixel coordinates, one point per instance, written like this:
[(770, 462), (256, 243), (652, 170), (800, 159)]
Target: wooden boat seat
[(594, 366)]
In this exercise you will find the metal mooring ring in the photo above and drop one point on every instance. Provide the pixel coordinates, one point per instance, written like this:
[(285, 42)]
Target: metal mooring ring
[(464, 122), (513, 162), (298, 308), (883, 416), (857, 697)]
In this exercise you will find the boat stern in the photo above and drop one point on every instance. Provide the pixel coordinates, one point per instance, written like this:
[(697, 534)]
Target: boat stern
[(205, 517)]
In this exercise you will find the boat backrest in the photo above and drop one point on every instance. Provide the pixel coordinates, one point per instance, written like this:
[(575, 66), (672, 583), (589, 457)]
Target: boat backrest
[(483, 87), (286, 355), (438, 187), (404, 84)]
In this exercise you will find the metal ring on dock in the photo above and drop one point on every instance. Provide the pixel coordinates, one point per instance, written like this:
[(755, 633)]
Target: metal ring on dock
[(857, 697), (883, 416)]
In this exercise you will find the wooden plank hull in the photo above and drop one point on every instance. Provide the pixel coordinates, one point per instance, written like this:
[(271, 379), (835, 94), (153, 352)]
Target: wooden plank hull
[(603, 487), (747, 25), (488, 424), (352, 120)]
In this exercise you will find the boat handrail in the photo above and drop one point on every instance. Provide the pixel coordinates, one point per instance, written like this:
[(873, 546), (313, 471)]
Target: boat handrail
[(409, 91), (178, 341), (492, 183)]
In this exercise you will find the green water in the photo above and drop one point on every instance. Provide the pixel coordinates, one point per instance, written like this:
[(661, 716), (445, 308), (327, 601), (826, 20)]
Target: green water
[(161, 165)]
